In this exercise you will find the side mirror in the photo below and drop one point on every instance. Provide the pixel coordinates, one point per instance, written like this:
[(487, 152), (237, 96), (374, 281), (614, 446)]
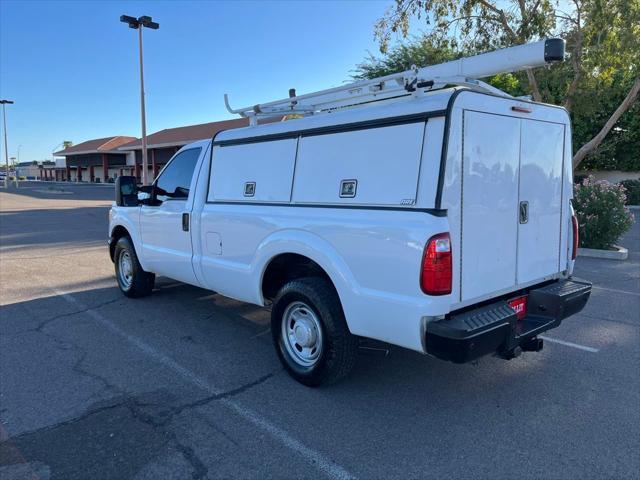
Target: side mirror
[(145, 194), (126, 191)]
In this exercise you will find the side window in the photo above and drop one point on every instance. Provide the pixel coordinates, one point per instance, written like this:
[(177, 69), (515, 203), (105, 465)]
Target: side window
[(175, 179)]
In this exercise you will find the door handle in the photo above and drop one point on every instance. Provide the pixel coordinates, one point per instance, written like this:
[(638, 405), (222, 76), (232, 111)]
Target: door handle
[(185, 222), (524, 212)]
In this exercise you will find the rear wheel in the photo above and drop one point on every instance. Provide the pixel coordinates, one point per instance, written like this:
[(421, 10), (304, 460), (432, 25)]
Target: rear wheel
[(310, 333), (132, 279)]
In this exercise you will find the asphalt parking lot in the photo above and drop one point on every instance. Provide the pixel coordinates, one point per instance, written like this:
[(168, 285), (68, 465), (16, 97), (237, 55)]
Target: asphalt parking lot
[(186, 384)]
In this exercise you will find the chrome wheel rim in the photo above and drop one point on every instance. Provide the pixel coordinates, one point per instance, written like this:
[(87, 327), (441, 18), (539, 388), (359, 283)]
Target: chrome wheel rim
[(302, 334), (125, 270)]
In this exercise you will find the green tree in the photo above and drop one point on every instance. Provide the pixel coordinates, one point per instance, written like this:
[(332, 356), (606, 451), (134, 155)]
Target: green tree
[(602, 41), (419, 51), (422, 51)]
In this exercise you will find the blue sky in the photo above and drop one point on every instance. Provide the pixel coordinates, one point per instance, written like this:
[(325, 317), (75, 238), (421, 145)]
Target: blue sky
[(73, 71)]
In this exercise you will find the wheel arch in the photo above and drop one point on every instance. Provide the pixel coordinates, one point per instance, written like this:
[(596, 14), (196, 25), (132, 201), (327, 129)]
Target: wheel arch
[(284, 267), (120, 226), (305, 253), (117, 233)]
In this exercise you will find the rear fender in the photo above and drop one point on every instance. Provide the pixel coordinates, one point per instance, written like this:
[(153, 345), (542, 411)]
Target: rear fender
[(313, 247)]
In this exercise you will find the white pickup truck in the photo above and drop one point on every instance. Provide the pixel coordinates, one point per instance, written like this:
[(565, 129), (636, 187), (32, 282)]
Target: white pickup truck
[(439, 221)]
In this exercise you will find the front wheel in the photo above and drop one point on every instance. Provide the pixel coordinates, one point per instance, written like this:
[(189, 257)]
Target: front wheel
[(310, 333), (132, 279)]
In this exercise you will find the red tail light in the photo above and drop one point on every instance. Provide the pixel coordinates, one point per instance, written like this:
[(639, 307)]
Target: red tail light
[(574, 224), (435, 277)]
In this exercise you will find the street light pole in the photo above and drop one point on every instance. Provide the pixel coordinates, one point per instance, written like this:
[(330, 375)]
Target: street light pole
[(145, 163), (139, 23), (6, 148)]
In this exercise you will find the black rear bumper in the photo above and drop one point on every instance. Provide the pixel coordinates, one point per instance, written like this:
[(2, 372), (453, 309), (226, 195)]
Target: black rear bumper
[(495, 327)]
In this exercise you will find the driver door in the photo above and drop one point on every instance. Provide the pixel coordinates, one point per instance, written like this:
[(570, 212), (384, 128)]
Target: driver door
[(165, 221)]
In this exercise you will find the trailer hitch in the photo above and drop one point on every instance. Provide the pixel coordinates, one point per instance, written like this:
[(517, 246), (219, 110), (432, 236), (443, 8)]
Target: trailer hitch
[(534, 344)]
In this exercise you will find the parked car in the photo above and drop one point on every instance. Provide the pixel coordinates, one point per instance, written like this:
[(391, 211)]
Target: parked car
[(441, 223)]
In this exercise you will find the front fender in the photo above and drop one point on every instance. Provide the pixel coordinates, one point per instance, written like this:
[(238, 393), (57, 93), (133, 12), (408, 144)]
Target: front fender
[(128, 218)]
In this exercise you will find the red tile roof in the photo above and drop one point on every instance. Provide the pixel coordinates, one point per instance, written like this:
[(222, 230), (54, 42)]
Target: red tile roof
[(183, 135), (168, 137), (98, 145)]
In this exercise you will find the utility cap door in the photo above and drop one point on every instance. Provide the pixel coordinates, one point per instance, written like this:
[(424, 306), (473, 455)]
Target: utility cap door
[(511, 203), (489, 233), (539, 218)]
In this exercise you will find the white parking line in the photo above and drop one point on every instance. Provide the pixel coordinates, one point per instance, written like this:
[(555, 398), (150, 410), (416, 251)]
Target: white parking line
[(313, 457), (570, 344), (626, 292)]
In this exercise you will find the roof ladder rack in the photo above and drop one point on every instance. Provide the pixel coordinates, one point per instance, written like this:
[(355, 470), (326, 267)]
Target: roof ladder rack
[(415, 81)]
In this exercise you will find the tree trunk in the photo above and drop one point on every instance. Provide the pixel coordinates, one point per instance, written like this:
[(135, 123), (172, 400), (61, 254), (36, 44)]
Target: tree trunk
[(576, 63), (595, 142), (533, 83)]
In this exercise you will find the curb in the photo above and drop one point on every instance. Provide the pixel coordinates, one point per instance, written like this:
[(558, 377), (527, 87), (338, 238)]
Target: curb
[(54, 192), (77, 184), (620, 253)]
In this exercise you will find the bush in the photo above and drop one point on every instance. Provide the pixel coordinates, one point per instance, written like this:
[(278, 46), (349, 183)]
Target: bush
[(632, 188), (602, 216), (578, 178)]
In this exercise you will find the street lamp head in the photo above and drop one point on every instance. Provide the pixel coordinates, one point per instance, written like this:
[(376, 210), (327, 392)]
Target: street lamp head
[(3, 102), (143, 21), (148, 22), (132, 21)]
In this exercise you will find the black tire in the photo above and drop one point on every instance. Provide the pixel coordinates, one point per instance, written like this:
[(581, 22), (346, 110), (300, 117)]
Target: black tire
[(140, 283), (339, 347)]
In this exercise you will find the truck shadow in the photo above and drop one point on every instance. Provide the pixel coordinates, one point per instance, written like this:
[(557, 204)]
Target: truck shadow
[(183, 313), (227, 344)]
